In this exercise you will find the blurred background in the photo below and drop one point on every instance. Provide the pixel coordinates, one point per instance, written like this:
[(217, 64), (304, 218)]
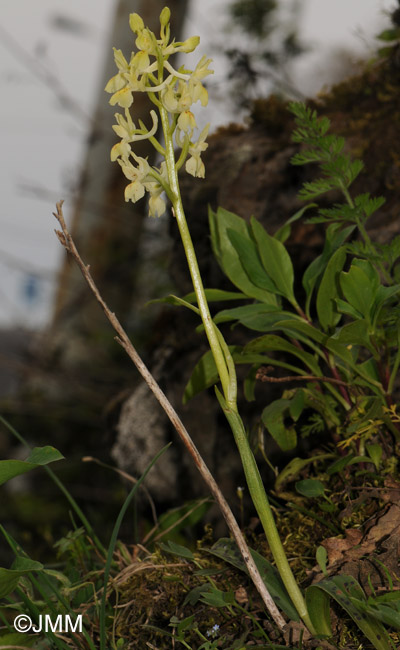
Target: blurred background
[(63, 379), (52, 69)]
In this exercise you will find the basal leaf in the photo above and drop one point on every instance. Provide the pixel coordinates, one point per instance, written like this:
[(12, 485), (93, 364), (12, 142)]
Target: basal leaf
[(349, 595)]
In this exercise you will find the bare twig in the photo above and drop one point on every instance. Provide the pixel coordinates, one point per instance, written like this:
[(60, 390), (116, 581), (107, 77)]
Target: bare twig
[(123, 339)]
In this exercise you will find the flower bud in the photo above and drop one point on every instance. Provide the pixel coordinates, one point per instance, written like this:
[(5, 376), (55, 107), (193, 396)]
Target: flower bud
[(165, 16), (136, 23), (189, 45)]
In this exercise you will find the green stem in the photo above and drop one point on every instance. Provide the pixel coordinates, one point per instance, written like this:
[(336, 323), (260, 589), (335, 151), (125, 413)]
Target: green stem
[(227, 375), (263, 508), (209, 326)]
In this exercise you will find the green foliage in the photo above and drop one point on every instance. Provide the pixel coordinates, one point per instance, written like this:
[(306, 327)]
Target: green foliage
[(39, 456), (368, 614), (342, 344), (349, 354)]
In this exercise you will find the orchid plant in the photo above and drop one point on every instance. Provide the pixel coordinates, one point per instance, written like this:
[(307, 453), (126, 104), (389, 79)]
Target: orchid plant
[(173, 92)]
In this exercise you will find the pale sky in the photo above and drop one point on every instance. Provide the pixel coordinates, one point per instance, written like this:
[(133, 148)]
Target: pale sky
[(43, 144)]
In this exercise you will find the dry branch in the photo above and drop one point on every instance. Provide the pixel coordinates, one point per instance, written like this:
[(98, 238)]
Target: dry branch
[(123, 339)]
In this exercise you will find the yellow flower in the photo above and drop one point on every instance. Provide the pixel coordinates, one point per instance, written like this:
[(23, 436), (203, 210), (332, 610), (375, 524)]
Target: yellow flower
[(123, 98), (194, 165), (169, 100), (201, 70), (121, 149), (139, 62), (134, 191), (125, 129), (186, 46), (146, 42), (116, 83), (157, 206), (186, 121), (137, 175)]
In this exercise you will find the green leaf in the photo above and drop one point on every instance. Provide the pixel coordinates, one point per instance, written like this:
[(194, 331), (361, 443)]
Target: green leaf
[(177, 302), (357, 289), (193, 596), (216, 295), (297, 404), (258, 316), (310, 488), (17, 640), (284, 232), (375, 452), (277, 343), (217, 598), (297, 327), (185, 623), (326, 307), (347, 593), (387, 614), (177, 549), (38, 456), (317, 602), (249, 259), (227, 550), (383, 295), (339, 464), (185, 516), (293, 469), (355, 333), (9, 578), (345, 308), (322, 556), (276, 261), (204, 374), (249, 384), (273, 417), (226, 254), (334, 238)]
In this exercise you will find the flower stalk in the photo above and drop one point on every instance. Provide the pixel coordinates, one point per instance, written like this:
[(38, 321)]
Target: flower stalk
[(173, 95)]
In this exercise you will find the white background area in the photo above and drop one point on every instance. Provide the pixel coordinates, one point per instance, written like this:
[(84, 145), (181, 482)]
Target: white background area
[(43, 141)]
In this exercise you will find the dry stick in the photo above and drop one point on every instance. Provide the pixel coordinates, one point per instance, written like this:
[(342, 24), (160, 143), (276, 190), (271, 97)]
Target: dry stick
[(123, 339)]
